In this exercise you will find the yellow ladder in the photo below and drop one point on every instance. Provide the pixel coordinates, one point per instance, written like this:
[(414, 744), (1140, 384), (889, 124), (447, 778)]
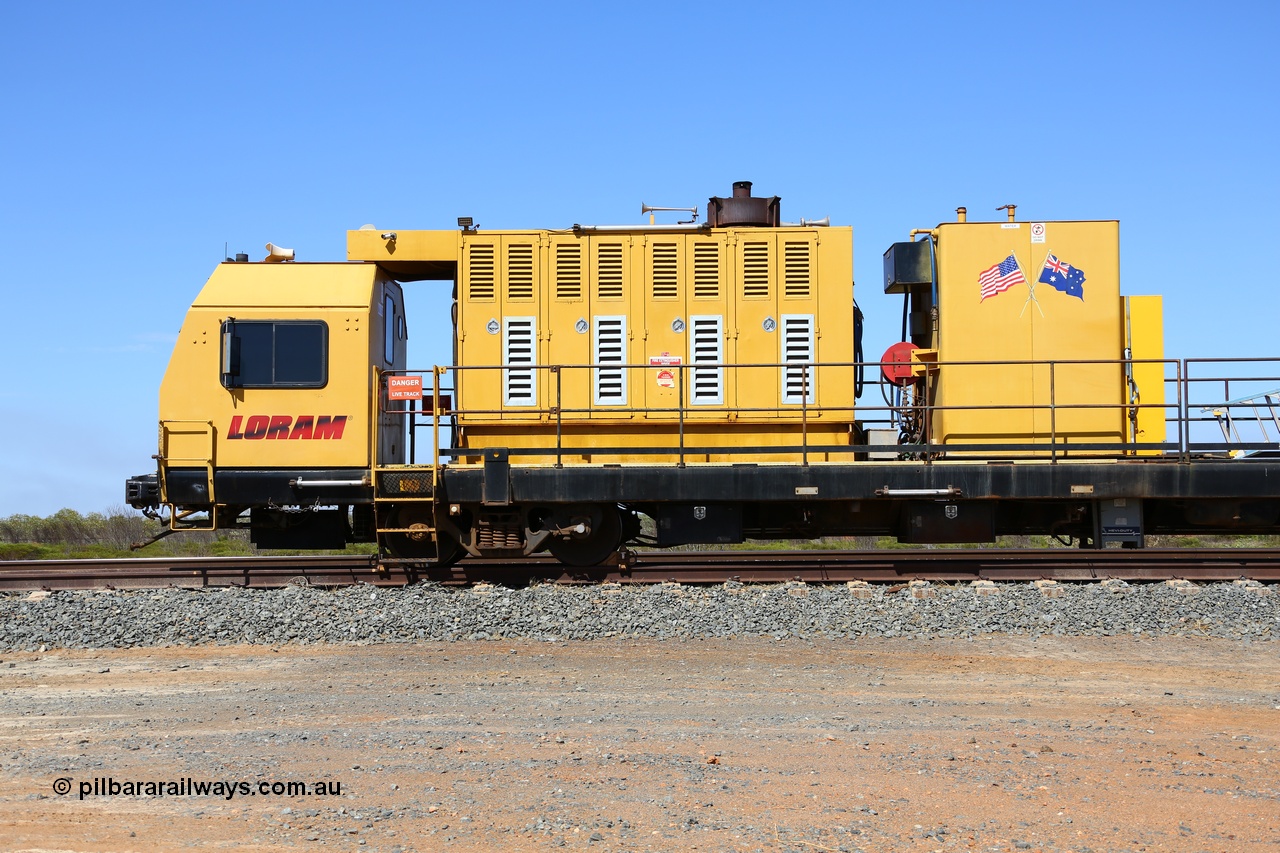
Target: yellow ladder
[(186, 428)]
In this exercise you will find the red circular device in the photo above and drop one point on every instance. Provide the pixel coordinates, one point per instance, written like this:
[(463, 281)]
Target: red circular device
[(896, 363)]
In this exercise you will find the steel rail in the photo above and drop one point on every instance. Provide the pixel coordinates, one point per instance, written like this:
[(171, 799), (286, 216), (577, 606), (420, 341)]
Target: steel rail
[(694, 567)]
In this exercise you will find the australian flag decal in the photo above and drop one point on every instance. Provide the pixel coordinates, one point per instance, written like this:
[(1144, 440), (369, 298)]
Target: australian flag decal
[(1060, 275)]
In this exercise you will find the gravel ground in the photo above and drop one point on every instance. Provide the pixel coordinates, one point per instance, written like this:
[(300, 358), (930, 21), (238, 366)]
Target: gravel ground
[(999, 744), (993, 718), (301, 614)]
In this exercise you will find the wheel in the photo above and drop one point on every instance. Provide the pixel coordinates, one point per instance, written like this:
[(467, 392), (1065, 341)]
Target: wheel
[(420, 545), (602, 537)]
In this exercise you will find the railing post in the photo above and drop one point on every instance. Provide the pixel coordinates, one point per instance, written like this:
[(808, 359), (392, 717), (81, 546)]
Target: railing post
[(413, 432), (559, 415), (375, 429), (680, 408), (435, 426), (804, 414), (1053, 415), (1184, 407)]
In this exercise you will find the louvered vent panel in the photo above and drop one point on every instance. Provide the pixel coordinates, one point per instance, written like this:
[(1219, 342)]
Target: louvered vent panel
[(666, 270), (706, 348), (797, 350), (755, 270), (480, 273), (610, 347), (569, 271), (796, 275), (519, 347), (609, 271), (520, 272), (706, 270)]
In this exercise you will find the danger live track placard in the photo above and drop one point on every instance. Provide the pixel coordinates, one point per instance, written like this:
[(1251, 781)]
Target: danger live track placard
[(404, 387)]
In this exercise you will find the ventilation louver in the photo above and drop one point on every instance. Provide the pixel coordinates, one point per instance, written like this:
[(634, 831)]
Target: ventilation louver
[(519, 342), (707, 348), (609, 271), (520, 272), (797, 353), (610, 348), (755, 270), (666, 271), (480, 272)]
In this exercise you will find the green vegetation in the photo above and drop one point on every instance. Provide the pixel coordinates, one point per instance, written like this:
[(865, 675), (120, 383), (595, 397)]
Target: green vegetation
[(68, 535)]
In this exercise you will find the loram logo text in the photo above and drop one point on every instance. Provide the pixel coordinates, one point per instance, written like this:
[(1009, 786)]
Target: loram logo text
[(286, 426)]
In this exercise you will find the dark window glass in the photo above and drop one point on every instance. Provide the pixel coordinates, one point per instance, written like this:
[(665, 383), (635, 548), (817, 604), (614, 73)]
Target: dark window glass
[(279, 354), (257, 341), (299, 354), (389, 330)]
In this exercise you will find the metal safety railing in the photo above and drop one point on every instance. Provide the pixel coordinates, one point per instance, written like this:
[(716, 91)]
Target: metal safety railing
[(1196, 393), (1240, 397), (1260, 410)]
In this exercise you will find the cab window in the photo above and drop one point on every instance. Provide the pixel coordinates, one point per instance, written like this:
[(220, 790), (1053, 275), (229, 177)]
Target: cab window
[(275, 354), (389, 330)]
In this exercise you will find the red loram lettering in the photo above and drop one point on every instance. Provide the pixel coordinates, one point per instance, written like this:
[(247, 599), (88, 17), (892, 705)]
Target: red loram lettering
[(256, 426), (286, 426), (326, 428), (279, 427), (302, 427)]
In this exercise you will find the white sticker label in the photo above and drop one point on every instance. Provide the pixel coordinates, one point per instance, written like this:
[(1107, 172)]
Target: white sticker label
[(1014, 225), (1037, 232)]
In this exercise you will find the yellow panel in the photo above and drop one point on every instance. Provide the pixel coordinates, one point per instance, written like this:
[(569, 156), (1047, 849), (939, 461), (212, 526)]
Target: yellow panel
[(756, 322), (1144, 319), (276, 427), (287, 284), (833, 307), (582, 441), (430, 246), (609, 293), (662, 288), (1067, 327), (677, 294), (480, 325), (520, 286), (709, 391), (566, 325), (1029, 320), (972, 329)]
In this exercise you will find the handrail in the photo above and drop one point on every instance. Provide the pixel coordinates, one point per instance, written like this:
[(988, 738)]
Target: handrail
[(1186, 380)]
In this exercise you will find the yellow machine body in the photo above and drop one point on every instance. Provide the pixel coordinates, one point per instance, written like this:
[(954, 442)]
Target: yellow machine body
[(355, 316), (1038, 355), (651, 333), (1144, 337)]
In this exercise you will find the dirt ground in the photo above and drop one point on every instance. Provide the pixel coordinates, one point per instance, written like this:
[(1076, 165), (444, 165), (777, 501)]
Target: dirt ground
[(999, 744)]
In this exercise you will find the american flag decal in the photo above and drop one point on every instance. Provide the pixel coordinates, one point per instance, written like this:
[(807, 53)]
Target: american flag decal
[(1001, 277)]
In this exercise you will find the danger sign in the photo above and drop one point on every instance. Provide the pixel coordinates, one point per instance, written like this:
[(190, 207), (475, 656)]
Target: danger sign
[(404, 387)]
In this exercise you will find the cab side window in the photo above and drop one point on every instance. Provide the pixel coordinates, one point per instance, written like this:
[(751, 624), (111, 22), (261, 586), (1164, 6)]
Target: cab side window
[(275, 354), (389, 330)]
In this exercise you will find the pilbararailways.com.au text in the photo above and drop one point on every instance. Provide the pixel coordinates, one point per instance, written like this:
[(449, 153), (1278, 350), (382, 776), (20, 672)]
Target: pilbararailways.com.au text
[(107, 786)]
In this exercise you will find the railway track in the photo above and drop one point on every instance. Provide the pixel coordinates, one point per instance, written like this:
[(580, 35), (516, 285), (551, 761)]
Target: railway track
[(695, 567)]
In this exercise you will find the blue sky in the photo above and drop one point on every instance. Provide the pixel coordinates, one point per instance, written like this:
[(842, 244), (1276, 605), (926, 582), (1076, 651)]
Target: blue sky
[(142, 138)]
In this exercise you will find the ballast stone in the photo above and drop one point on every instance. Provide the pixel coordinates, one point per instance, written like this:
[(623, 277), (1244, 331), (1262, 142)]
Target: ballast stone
[(433, 613)]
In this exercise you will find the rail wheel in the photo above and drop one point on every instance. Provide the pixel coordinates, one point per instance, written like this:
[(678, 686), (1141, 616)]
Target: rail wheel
[(601, 536), (418, 544)]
